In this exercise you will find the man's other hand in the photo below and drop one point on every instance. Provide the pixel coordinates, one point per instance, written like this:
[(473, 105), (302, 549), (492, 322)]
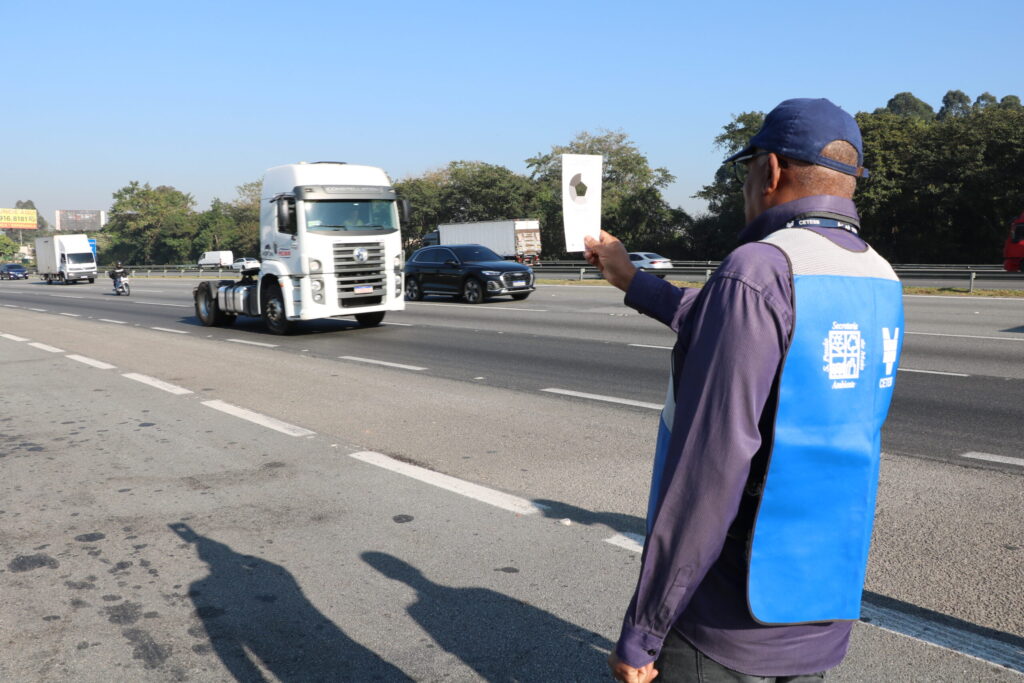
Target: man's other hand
[(609, 256), (627, 674)]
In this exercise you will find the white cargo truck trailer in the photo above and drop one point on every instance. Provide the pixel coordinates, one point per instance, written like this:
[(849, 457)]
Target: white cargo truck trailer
[(65, 259), (330, 246), (517, 239)]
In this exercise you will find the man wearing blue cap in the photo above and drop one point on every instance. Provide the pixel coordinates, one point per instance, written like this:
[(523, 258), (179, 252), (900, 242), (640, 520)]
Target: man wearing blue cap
[(766, 465)]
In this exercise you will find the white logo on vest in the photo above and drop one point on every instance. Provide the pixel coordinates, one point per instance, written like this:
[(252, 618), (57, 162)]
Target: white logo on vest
[(844, 354), (890, 345)]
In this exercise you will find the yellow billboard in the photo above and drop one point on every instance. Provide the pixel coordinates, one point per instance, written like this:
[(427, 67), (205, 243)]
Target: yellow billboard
[(18, 219)]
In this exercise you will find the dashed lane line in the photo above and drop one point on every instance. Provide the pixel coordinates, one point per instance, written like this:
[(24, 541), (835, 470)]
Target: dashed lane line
[(91, 361), (992, 457), (253, 343), (964, 336), (258, 418), (116, 322), (45, 347), (934, 372), (158, 383), (606, 399), (633, 542), (382, 362), (72, 315), (157, 303), (13, 337), (167, 329), (505, 501), (651, 346), (38, 310)]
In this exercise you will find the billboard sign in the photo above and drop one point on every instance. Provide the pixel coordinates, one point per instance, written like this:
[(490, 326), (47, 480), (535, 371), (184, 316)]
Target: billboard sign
[(18, 219), (80, 220)]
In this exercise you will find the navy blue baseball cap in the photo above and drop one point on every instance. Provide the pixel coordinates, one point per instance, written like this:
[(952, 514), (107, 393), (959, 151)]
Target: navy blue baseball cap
[(800, 128)]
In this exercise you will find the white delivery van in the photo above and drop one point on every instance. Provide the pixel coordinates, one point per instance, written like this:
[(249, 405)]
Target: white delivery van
[(216, 259), (65, 259)]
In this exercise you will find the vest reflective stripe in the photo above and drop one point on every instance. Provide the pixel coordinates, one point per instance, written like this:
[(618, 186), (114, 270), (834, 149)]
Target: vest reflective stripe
[(811, 535)]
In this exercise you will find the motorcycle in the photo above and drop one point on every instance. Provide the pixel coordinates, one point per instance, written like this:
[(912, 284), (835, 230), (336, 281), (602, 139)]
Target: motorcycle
[(122, 286)]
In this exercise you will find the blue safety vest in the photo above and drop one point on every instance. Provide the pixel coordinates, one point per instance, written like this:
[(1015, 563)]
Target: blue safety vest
[(809, 548)]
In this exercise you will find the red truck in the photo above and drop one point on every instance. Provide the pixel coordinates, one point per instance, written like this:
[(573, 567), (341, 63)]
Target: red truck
[(1013, 250)]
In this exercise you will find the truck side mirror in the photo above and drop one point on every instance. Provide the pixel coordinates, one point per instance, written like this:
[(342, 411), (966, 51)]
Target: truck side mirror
[(286, 215), (406, 209)]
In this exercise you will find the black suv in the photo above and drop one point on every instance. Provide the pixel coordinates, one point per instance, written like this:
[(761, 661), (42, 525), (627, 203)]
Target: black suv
[(467, 270), (13, 271)]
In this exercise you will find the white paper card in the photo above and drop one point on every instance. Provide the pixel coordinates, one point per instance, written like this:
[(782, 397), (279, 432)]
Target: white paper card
[(581, 198)]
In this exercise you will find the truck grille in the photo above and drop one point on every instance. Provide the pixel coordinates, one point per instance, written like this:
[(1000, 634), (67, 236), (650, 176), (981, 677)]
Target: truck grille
[(507, 279), (360, 282)]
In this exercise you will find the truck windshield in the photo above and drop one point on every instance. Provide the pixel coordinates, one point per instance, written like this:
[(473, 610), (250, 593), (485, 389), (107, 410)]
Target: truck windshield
[(81, 258), (371, 215)]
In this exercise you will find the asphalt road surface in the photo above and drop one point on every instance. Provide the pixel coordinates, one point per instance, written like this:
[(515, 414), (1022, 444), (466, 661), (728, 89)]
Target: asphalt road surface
[(184, 503)]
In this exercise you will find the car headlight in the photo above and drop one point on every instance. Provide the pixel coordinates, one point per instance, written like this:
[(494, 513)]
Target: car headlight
[(490, 273)]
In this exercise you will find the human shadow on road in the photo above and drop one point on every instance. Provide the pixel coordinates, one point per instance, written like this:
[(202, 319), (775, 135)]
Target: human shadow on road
[(618, 521), (499, 637), (254, 611)]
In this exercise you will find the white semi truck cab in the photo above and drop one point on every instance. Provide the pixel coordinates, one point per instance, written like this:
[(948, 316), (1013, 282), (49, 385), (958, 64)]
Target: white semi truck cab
[(330, 246)]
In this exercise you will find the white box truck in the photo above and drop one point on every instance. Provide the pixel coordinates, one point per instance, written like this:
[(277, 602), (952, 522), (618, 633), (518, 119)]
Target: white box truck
[(330, 246), (216, 259), (65, 259), (517, 239)]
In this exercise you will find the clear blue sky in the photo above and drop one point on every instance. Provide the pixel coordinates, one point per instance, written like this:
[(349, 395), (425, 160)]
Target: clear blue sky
[(205, 95)]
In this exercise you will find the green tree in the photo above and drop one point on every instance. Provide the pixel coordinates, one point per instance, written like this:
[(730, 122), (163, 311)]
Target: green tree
[(906, 104), (151, 225), (985, 99), (8, 248), (1010, 102), (954, 103)]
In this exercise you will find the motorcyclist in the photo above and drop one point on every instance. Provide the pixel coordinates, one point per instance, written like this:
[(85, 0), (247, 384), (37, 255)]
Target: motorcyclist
[(117, 274)]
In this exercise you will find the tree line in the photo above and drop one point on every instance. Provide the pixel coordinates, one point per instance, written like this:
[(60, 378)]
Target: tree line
[(943, 188)]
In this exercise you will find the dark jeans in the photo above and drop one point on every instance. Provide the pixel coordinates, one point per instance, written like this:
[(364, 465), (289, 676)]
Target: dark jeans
[(680, 662)]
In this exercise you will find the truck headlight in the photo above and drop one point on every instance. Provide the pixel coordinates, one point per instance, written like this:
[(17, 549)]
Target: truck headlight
[(314, 266), (316, 285), (398, 262)]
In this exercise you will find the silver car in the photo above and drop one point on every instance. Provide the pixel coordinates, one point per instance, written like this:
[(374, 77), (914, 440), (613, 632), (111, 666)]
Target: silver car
[(646, 260)]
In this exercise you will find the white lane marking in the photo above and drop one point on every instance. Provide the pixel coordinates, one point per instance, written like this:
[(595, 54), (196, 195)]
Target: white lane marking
[(91, 361), (40, 310), (11, 306), (934, 372), (258, 418), (651, 346), (399, 324), (72, 315), (158, 383), (116, 322), (632, 542), (46, 347), (167, 329), (157, 303), (991, 457), (13, 337), (965, 336), (381, 362), (66, 296), (945, 636), (479, 493), (253, 343), (478, 308), (926, 630), (608, 399)]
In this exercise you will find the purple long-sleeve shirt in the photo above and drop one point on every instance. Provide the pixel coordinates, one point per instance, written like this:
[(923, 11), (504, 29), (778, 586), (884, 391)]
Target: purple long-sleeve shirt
[(732, 337)]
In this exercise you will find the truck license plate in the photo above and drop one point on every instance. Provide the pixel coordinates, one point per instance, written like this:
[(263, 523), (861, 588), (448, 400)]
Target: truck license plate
[(519, 283), (363, 289)]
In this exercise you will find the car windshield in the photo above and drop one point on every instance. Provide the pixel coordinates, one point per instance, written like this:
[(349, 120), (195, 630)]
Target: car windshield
[(81, 258), (371, 215), (473, 253)]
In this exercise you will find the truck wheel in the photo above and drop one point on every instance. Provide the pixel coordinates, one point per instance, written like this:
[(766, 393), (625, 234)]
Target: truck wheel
[(92, 280), (472, 291), (207, 310), (413, 292), (273, 311), (370, 319)]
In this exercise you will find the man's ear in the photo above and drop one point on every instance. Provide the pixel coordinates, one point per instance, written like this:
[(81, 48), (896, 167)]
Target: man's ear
[(772, 177)]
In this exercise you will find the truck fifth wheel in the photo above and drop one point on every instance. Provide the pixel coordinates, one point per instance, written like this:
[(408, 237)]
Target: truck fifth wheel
[(330, 247)]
